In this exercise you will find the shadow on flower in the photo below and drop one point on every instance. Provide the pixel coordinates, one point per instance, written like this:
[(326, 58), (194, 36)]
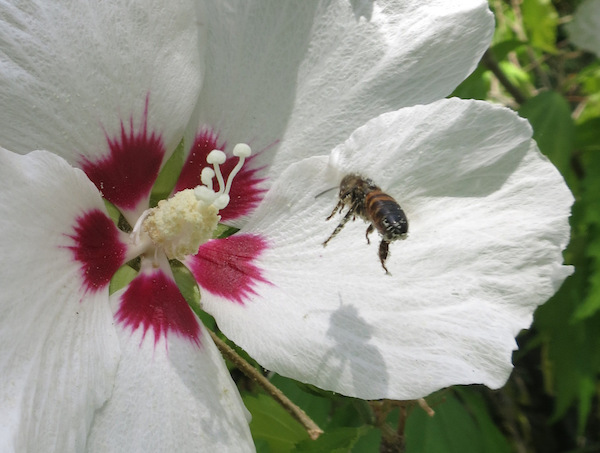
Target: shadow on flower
[(351, 335)]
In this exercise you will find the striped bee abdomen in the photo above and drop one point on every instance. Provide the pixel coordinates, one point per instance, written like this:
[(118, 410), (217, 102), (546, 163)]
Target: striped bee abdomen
[(386, 215)]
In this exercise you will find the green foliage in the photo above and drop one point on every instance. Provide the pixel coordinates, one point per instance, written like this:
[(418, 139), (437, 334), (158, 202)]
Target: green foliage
[(553, 128), (124, 275), (476, 86), (168, 175), (273, 429), (189, 289), (336, 440), (540, 20), (462, 424)]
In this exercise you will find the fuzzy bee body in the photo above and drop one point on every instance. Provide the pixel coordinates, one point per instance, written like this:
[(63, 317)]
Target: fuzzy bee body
[(367, 201)]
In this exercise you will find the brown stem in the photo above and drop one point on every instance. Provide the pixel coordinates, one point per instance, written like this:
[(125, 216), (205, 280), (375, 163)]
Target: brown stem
[(491, 63), (311, 427), (392, 441)]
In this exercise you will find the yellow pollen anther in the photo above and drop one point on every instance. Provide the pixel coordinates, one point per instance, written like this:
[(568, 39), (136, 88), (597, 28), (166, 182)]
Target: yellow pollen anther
[(181, 224)]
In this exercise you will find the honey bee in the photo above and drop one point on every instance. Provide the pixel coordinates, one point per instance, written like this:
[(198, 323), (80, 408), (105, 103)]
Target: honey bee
[(369, 202)]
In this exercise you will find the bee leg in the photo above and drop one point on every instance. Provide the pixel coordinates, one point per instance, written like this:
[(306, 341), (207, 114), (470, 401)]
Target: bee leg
[(336, 209), (340, 226), (369, 231), (383, 254)]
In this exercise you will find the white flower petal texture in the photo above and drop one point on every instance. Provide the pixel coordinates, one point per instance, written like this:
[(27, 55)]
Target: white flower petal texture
[(72, 71), (488, 219), (300, 76), (174, 394), (58, 347), (318, 90)]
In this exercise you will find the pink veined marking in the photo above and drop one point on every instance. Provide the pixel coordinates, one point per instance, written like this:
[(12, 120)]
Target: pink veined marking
[(126, 175), (97, 249), (245, 194), (225, 267), (152, 301)]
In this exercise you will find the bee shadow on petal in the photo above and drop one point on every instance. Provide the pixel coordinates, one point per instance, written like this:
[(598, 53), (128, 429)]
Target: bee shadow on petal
[(353, 352)]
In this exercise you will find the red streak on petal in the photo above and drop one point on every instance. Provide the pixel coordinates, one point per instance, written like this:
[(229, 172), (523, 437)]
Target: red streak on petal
[(245, 194), (225, 267), (205, 142), (152, 301), (126, 175), (97, 249)]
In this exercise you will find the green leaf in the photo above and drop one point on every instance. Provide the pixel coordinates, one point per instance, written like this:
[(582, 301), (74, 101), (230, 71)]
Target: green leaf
[(587, 135), (455, 428), (317, 407), (591, 192), (124, 275), (187, 284), (272, 424), (572, 349), (553, 129), (492, 437), (476, 86), (591, 303), (501, 50), (113, 211), (223, 231), (167, 178), (339, 440), (540, 20), (516, 75), (588, 238), (369, 442), (589, 85)]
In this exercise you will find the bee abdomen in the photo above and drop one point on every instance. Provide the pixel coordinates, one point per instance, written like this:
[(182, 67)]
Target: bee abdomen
[(386, 215)]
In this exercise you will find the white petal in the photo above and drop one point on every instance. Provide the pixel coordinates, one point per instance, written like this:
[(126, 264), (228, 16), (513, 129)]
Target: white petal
[(72, 71), (583, 31), (171, 395), (488, 220), (58, 348), (304, 75)]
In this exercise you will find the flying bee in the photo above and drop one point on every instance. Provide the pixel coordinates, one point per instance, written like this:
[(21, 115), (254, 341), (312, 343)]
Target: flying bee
[(369, 202)]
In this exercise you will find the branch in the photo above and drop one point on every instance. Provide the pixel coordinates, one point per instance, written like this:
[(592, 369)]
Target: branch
[(491, 63), (311, 427)]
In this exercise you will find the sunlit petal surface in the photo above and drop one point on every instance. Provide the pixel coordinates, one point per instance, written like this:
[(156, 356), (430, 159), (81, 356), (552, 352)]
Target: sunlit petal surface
[(74, 72), (488, 222), (58, 346), (172, 387), (299, 77)]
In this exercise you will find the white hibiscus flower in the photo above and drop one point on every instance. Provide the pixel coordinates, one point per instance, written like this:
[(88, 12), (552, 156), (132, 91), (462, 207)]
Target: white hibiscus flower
[(110, 90)]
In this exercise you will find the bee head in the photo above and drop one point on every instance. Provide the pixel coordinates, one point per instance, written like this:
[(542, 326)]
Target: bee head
[(355, 184)]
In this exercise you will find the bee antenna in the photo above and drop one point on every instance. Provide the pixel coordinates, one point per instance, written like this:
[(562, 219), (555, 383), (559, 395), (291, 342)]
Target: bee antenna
[(325, 191)]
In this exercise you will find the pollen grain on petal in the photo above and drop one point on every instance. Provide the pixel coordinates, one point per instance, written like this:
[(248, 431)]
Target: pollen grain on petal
[(97, 248), (227, 267), (153, 302)]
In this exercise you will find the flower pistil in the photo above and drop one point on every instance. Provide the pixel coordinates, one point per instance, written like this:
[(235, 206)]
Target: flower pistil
[(180, 224)]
